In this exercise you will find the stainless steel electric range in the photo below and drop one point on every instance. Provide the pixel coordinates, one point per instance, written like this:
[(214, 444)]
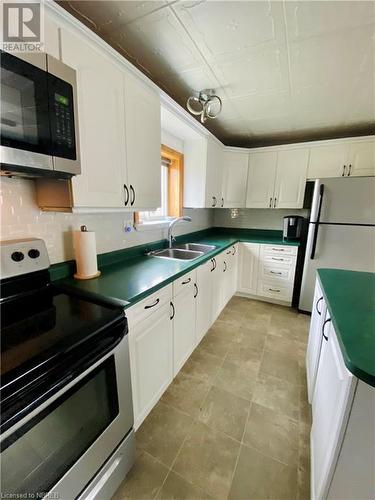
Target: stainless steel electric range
[(66, 404)]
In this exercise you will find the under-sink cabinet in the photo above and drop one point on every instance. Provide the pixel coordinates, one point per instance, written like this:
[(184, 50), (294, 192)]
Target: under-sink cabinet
[(165, 327)]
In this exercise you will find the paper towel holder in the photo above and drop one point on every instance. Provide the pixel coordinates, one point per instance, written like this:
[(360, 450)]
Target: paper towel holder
[(83, 229)]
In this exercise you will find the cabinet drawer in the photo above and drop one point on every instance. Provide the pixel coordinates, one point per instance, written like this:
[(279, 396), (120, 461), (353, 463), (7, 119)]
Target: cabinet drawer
[(185, 281), (277, 274), (278, 250), (273, 291), (279, 260), (147, 306)]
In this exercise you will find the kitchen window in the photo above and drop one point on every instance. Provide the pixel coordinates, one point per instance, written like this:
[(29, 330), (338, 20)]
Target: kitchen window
[(171, 190)]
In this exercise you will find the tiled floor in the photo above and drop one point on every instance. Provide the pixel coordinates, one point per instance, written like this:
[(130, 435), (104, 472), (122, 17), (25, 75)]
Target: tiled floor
[(235, 422)]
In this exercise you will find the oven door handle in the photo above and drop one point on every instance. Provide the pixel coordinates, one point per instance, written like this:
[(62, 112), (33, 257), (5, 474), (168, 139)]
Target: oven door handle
[(20, 398)]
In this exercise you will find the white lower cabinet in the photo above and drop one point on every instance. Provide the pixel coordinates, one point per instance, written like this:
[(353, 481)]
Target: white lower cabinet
[(183, 315), (151, 359), (267, 271), (248, 267), (330, 409), (318, 318), (204, 292)]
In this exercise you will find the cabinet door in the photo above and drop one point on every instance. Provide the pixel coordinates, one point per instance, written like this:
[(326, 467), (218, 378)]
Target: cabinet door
[(318, 317), (218, 285), (214, 174), (330, 409), (204, 306), (248, 267), (233, 270), (290, 178), (327, 161), (261, 180), (143, 143), (361, 158), (151, 361), (101, 125), (235, 166), (183, 327)]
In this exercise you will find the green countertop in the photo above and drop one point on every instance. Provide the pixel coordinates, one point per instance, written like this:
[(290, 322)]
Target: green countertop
[(350, 298), (129, 276)]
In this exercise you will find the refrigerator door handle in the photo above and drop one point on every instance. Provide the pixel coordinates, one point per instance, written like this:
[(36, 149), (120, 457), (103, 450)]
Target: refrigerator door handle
[(316, 229)]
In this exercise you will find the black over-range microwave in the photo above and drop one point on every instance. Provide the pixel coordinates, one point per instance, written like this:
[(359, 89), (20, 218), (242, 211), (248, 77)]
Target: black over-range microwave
[(39, 127)]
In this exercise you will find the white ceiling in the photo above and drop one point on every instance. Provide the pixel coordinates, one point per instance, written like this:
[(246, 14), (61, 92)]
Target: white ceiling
[(286, 71)]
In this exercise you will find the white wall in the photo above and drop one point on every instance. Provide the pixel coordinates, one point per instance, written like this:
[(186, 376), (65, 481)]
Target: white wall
[(254, 218), (21, 218), (172, 141)]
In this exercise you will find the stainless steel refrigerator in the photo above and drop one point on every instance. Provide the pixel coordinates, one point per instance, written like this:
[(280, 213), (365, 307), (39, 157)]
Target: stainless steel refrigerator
[(341, 230)]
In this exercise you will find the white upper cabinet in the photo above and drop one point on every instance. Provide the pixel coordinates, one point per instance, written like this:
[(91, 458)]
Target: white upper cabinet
[(214, 174), (327, 161), (290, 178), (342, 159), (235, 167), (261, 180), (143, 142), (101, 124), (362, 158)]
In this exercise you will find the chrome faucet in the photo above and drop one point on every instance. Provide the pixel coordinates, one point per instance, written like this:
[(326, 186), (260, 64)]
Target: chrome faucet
[(171, 239)]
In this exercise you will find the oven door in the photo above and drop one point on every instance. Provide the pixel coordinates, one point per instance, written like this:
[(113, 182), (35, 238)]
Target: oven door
[(60, 446)]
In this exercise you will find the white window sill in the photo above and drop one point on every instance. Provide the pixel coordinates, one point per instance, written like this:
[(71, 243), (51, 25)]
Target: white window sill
[(152, 225)]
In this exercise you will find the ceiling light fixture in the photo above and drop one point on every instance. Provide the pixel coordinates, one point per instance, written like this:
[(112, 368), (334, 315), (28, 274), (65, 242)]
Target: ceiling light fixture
[(207, 104)]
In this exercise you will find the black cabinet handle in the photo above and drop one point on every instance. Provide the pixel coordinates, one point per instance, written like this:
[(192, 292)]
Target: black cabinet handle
[(214, 262), (234, 250), (324, 324), (173, 310), (343, 171), (133, 193), (186, 282), (279, 249), (214, 201), (229, 252), (196, 290), (225, 267), (316, 306), (350, 169), (274, 290), (270, 205), (275, 258), (274, 203), (222, 202), (126, 194), (213, 265), (153, 305), (274, 272)]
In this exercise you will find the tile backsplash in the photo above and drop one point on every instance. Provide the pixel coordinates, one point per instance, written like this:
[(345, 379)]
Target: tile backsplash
[(254, 218), (21, 218)]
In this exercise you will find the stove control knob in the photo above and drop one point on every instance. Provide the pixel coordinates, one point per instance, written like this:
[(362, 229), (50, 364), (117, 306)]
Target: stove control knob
[(33, 253), (17, 256)]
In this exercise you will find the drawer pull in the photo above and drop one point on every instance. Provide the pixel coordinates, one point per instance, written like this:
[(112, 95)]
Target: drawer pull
[(186, 282), (275, 258), (324, 324), (173, 310), (225, 267), (229, 252), (274, 272), (279, 249), (234, 250), (317, 304), (196, 290), (274, 290), (153, 305)]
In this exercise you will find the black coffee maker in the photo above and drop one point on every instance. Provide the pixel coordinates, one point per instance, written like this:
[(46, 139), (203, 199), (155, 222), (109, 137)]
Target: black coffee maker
[(292, 227)]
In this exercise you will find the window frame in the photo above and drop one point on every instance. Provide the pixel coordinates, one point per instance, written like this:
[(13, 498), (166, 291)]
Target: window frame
[(175, 188)]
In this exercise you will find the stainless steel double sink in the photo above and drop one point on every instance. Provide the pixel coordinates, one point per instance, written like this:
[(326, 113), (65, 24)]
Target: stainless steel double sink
[(186, 251)]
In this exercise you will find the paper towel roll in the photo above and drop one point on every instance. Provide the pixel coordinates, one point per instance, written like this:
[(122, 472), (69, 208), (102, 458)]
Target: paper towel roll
[(85, 252)]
